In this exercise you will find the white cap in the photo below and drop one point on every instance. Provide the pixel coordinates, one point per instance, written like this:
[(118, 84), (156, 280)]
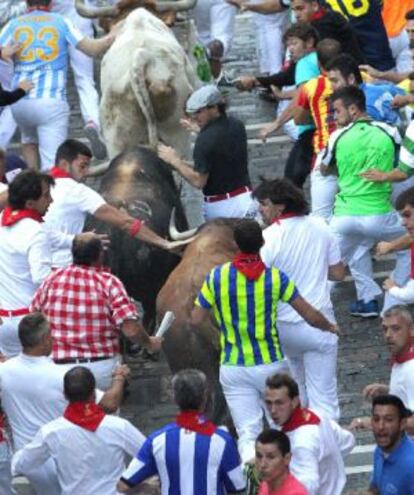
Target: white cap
[(204, 97)]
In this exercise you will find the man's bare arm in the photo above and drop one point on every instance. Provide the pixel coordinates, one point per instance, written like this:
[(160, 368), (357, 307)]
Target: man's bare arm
[(170, 156)]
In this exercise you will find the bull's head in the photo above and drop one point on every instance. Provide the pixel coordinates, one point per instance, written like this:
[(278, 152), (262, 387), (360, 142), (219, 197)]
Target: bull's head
[(113, 14)]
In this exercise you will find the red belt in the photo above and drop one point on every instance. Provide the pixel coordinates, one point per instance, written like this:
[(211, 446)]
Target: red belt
[(14, 312), (231, 194)]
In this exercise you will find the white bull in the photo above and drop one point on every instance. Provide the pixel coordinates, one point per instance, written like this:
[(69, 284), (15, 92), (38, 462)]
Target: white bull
[(146, 78)]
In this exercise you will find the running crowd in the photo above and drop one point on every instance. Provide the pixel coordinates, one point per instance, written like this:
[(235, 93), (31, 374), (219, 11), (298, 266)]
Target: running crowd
[(340, 75)]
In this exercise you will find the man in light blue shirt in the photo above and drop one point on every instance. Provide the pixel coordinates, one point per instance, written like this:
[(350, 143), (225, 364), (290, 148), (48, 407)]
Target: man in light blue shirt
[(394, 455), (45, 37)]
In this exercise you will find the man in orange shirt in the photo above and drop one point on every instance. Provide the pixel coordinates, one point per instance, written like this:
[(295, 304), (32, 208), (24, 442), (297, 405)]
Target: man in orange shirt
[(393, 15), (313, 103)]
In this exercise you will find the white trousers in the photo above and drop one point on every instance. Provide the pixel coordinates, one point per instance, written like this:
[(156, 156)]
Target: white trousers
[(5, 470), (8, 125), (243, 388), (241, 206), (399, 187), (400, 47), (9, 339), (44, 121), (357, 235), (102, 370), (215, 21), (323, 192), (289, 128), (269, 33), (311, 355), (82, 65), (44, 479)]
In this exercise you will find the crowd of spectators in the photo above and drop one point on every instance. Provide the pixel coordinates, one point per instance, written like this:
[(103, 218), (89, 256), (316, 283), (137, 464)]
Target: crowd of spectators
[(340, 76)]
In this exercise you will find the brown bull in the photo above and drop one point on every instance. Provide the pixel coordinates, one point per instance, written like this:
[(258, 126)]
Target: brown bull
[(184, 346)]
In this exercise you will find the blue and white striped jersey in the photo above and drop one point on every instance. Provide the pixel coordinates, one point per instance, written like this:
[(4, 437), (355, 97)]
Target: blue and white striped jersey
[(188, 463), (43, 58)]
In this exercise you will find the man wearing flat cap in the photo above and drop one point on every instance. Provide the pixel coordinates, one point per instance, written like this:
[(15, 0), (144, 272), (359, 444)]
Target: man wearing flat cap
[(220, 158)]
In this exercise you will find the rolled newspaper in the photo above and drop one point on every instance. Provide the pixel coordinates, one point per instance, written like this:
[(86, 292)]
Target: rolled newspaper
[(167, 321)]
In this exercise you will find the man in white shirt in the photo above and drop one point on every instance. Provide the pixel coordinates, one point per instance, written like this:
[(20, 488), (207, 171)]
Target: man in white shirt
[(398, 329), (304, 248), (31, 391), (25, 257), (317, 444), (87, 446), (73, 200)]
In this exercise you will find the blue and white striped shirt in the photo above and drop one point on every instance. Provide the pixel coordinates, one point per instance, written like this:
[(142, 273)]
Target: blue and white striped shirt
[(188, 463), (43, 58)]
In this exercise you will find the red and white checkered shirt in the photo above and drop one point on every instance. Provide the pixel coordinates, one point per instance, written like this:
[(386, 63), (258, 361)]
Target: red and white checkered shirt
[(85, 307)]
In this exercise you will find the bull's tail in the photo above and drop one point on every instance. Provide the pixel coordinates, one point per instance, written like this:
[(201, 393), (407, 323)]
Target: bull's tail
[(142, 95)]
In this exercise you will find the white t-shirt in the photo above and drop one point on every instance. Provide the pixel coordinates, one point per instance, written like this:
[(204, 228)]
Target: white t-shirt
[(303, 247), (72, 201), (317, 456), (31, 390), (88, 463), (402, 382), (25, 261), (3, 187)]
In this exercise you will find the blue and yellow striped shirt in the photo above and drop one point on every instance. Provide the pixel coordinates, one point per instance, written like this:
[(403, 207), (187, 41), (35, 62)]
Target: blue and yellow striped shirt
[(246, 311)]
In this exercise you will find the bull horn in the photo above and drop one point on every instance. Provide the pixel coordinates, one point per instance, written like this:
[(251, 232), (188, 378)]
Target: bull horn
[(98, 170), (92, 12), (179, 236), (176, 6)]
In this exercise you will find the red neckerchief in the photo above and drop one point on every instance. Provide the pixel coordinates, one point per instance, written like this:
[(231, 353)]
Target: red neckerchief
[(251, 265), (193, 421), (300, 417), (87, 415), (39, 7), (318, 14), (10, 217), (412, 260), (285, 215), (59, 173), (405, 355)]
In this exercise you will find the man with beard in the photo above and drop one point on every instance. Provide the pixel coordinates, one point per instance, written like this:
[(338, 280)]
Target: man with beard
[(73, 200), (394, 455)]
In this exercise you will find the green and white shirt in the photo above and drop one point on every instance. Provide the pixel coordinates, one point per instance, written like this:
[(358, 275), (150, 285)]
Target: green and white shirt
[(354, 149)]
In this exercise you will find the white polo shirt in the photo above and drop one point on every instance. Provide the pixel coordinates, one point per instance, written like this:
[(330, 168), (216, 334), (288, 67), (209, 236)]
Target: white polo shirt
[(317, 456), (72, 201), (303, 247), (402, 382), (89, 463)]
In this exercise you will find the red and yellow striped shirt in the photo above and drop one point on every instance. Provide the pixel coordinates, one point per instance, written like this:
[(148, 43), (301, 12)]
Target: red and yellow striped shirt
[(314, 96)]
